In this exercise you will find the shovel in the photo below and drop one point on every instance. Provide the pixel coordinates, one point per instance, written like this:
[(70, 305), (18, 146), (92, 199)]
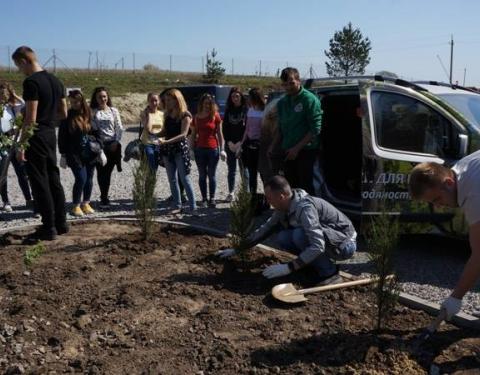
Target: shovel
[(289, 294)]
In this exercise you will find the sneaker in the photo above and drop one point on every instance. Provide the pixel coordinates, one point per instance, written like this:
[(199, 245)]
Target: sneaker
[(212, 203), (7, 207), (77, 211), (183, 198), (230, 197), (190, 212), (105, 203), (37, 215), (87, 209), (202, 204)]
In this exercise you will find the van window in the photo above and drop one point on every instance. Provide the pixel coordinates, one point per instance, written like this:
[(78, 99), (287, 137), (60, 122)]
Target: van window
[(406, 124)]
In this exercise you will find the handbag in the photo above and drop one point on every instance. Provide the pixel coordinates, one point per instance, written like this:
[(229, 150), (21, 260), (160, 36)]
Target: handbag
[(90, 148), (134, 148)]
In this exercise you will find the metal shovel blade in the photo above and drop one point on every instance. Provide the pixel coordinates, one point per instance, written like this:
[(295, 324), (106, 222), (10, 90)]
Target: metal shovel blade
[(288, 293)]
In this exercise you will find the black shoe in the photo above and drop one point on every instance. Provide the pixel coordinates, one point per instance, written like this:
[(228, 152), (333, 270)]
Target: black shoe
[(41, 234), (105, 203), (334, 278), (212, 203), (63, 229)]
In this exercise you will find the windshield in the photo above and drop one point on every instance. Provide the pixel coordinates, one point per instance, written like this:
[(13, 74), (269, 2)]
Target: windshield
[(467, 104)]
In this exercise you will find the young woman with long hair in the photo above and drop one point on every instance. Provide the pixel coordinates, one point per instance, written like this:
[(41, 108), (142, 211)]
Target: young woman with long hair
[(152, 118), (175, 148), (233, 128), (12, 106), (72, 143), (207, 139), (251, 138), (106, 121)]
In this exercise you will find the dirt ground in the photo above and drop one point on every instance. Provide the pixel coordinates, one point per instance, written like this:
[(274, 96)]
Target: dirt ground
[(101, 301)]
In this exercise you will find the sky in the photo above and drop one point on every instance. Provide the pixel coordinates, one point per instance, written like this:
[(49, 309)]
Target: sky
[(408, 37)]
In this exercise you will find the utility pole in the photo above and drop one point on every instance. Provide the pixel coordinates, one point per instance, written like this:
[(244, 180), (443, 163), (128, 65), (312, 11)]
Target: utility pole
[(9, 60), (133, 55), (54, 61), (451, 57), (464, 75), (123, 63), (96, 54), (170, 63), (203, 65), (232, 66), (260, 69), (89, 58), (311, 71)]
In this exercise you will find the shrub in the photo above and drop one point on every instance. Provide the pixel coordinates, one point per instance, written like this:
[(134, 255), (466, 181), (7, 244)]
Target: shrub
[(241, 219)]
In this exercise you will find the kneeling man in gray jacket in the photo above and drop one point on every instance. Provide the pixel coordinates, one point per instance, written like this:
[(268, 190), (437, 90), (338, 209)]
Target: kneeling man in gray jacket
[(307, 226)]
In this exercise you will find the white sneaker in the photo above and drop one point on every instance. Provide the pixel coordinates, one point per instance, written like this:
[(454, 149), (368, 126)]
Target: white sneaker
[(230, 197), (7, 207)]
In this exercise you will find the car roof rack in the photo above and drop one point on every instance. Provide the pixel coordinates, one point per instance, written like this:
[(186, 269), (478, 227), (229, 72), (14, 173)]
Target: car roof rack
[(444, 84), (396, 81)]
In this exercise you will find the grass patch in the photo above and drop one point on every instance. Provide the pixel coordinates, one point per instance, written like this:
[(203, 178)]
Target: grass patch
[(33, 253)]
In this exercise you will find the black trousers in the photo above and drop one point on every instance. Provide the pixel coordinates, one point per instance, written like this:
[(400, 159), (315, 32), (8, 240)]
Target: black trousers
[(299, 172), (44, 177), (104, 174), (250, 157)]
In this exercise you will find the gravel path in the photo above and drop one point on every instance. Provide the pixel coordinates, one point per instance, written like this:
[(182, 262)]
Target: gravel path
[(428, 267)]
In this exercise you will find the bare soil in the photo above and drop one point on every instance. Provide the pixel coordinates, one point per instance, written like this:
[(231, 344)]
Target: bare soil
[(101, 301)]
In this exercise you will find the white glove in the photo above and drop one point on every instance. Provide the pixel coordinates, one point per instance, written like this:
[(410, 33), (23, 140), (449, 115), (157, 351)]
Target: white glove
[(227, 253), (451, 306), (103, 159), (63, 162), (276, 270), (223, 155)]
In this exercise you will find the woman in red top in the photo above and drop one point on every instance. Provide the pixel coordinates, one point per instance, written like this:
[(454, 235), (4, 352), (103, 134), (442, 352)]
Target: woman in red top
[(208, 145)]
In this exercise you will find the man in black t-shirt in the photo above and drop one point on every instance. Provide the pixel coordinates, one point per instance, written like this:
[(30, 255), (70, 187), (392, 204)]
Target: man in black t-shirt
[(45, 104)]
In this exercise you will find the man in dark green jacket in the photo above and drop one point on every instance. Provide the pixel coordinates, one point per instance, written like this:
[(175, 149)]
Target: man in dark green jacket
[(299, 122)]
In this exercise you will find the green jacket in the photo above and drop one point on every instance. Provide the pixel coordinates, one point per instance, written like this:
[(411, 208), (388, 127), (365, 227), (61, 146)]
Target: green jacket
[(298, 115)]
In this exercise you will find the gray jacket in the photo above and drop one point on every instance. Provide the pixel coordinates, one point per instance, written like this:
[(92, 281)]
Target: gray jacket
[(320, 221)]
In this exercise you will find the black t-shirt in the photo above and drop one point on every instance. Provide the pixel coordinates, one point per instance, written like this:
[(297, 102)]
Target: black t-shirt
[(234, 124), (48, 90), (173, 127)]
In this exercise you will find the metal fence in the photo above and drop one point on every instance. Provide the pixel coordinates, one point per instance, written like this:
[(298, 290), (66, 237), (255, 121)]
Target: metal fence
[(97, 60)]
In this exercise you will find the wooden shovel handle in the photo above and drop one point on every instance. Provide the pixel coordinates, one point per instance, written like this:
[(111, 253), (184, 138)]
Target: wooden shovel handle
[(340, 285)]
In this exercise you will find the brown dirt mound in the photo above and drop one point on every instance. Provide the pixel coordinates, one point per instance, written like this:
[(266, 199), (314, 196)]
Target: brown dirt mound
[(101, 301)]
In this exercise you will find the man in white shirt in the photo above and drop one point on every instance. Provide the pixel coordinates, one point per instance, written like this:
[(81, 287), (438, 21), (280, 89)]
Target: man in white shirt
[(455, 187)]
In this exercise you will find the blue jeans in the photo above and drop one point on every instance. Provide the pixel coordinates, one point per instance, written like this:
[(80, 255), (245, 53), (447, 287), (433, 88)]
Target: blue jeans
[(83, 183), (295, 241), (21, 172), (151, 152), (207, 161), (172, 166), (232, 162)]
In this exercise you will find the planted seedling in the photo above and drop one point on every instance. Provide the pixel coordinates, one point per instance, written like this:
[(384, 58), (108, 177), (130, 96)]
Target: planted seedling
[(33, 253)]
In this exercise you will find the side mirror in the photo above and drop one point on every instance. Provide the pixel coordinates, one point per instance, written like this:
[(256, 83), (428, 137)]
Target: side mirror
[(462, 145)]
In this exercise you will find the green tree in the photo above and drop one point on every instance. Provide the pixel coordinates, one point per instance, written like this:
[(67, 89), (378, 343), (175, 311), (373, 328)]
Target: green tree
[(215, 71), (349, 52), (382, 242), (241, 219), (144, 200)]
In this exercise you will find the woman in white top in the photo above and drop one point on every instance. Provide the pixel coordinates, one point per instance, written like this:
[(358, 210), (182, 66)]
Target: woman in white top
[(251, 138), (11, 106), (106, 121)]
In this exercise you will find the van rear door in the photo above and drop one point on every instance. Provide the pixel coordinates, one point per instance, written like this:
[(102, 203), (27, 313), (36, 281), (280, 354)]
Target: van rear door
[(403, 127)]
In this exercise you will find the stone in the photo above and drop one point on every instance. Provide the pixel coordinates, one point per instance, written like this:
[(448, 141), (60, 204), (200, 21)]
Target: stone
[(15, 369), (83, 321)]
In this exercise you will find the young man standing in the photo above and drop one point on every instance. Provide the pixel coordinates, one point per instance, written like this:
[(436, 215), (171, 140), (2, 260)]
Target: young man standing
[(299, 123), (455, 187), (308, 226), (45, 104)]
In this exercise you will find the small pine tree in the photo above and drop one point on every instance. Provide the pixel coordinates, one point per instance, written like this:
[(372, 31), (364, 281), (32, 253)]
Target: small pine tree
[(144, 196), (349, 52), (382, 243), (215, 71), (241, 219)]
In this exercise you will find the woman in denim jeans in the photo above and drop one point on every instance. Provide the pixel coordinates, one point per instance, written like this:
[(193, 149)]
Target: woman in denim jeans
[(207, 139), (152, 121), (174, 147), (233, 128)]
